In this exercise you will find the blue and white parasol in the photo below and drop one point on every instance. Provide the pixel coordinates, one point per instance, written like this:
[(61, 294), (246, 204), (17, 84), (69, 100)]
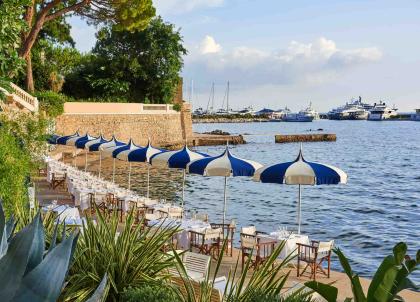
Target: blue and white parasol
[(301, 172), (62, 140), (114, 151), (223, 165), (177, 160), (140, 155)]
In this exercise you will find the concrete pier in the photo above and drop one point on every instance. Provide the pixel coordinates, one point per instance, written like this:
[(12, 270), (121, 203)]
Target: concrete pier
[(293, 138)]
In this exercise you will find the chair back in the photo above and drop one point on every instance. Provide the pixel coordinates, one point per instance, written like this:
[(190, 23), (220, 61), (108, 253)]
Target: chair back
[(216, 295), (249, 230), (248, 241), (197, 264), (210, 233), (325, 246)]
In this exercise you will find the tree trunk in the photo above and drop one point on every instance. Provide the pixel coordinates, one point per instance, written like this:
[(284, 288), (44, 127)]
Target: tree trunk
[(29, 81)]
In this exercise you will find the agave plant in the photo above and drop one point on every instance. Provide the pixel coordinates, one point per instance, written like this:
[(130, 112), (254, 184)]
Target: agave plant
[(262, 284), (28, 272), (129, 254), (390, 278)]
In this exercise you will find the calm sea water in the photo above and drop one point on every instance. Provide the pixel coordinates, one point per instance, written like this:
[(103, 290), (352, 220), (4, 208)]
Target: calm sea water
[(379, 206)]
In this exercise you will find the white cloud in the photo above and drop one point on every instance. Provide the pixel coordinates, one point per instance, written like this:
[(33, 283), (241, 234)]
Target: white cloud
[(208, 45), (303, 63), (174, 7)]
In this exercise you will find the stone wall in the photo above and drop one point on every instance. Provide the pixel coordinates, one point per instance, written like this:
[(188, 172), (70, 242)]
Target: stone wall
[(163, 129)]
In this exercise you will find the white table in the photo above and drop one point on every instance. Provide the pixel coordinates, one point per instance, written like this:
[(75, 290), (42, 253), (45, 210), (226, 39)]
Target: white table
[(290, 246)]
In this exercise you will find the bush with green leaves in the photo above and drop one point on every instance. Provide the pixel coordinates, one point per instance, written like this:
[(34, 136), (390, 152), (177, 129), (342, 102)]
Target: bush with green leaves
[(130, 256), (159, 292), (51, 102), (390, 278)]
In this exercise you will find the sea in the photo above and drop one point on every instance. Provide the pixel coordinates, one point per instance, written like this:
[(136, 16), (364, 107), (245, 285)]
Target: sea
[(377, 208)]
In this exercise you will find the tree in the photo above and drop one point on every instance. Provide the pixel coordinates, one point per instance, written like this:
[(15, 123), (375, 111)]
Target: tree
[(128, 14), (139, 66), (11, 25)]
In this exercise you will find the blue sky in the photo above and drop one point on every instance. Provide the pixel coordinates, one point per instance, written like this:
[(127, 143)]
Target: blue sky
[(286, 53)]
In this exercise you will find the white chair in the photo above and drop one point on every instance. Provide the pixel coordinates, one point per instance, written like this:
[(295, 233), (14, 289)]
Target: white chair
[(196, 265), (151, 216), (249, 230)]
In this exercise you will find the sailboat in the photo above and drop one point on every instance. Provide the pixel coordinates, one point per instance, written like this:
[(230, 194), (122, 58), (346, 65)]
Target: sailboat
[(223, 111)]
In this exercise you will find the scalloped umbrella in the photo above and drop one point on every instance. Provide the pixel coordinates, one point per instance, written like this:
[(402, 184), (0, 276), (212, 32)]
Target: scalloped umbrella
[(223, 165), (112, 143), (177, 160), (114, 151), (141, 155), (301, 172)]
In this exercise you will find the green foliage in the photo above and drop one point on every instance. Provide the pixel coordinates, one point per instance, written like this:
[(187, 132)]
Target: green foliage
[(22, 141), (133, 15), (51, 102), (266, 282), (160, 292), (129, 255), (51, 64), (27, 271), (138, 66), (11, 26), (4, 87), (390, 278), (177, 107)]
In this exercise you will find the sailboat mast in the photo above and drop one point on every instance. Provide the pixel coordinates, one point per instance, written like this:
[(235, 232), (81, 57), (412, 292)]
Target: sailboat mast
[(212, 97), (227, 98)]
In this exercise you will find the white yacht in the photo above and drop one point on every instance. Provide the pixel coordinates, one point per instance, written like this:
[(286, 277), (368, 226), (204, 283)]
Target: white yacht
[(306, 115), (355, 110), (247, 110), (199, 111), (381, 112)]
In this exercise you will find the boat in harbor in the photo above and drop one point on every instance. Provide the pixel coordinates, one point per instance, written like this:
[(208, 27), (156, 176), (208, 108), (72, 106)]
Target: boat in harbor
[(382, 112), (416, 116), (306, 115), (247, 110), (355, 110)]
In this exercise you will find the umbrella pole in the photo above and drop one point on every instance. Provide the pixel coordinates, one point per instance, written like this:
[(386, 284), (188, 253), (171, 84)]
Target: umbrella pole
[(183, 189), (86, 160), (299, 206), (113, 170), (225, 201), (129, 175), (100, 163), (148, 179)]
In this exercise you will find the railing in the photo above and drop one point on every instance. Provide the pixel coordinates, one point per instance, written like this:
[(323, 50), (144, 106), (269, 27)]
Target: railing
[(117, 108), (25, 98)]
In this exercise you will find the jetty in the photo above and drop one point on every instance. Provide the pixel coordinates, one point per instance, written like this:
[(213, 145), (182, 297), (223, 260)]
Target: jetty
[(316, 137), (205, 139)]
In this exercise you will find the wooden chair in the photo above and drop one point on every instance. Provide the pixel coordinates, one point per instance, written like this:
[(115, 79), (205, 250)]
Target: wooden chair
[(258, 249), (196, 265), (175, 213), (228, 233), (58, 180), (251, 230), (97, 201), (207, 243), (114, 204), (314, 255)]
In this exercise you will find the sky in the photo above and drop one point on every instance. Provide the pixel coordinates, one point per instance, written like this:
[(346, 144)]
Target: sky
[(278, 53)]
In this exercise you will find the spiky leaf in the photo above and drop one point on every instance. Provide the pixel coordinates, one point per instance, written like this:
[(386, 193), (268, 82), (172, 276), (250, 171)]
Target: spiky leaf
[(328, 292), (44, 282)]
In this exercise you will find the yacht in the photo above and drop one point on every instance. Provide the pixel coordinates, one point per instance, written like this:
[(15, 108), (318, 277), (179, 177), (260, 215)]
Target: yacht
[(199, 111), (381, 112), (247, 110), (306, 115), (416, 116), (355, 110)]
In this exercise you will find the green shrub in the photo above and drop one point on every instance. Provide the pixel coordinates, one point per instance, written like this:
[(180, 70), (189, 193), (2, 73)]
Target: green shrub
[(177, 107), (150, 293), (51, 102)]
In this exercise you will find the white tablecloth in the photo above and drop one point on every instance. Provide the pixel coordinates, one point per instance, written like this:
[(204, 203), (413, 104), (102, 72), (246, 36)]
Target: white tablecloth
[(290, 245)]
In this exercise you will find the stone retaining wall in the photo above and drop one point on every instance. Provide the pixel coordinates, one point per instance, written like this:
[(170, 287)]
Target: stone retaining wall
[(163, 129)]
